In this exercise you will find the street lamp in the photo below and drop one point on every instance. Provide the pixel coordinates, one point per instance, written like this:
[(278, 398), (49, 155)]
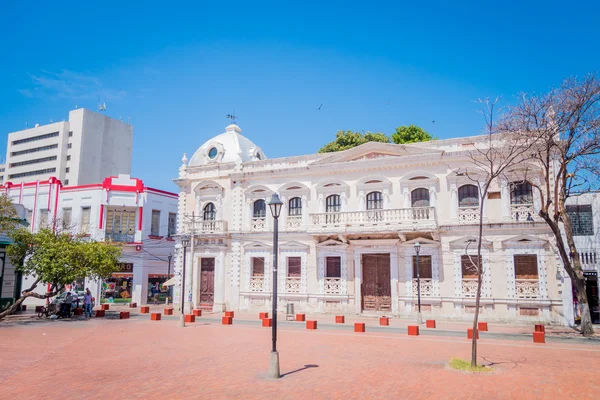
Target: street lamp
[(275, 205), (169, 257), (185, 242), (417, 247)]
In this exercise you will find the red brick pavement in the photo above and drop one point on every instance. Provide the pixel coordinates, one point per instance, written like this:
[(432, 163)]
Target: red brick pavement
[(140, 359)]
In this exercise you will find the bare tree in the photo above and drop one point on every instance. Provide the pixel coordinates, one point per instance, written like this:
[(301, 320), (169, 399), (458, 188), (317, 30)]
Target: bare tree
[(566, 122), (491, 157)]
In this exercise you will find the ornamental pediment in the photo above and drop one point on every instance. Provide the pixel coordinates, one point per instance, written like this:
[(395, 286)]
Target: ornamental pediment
[(524, 241), (375, 150)]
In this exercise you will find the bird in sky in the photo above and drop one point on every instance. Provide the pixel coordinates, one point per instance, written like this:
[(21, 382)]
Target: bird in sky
[(433, 122), (319, 107)]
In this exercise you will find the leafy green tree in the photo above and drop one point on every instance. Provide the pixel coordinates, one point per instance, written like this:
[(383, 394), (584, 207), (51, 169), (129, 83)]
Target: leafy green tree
[(345, 140), (57, 259), (8, 214), (410, 134)]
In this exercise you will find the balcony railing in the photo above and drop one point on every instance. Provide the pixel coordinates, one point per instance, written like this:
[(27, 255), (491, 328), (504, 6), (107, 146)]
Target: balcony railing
[(527, 288), (588, 259), (469, 287), (292, 284), (468, 215), (259, 224), (257, 283), (332, 286), (416, 218), (426, 287), (522, 213), (293, 223), (208, 227), (120, 237)]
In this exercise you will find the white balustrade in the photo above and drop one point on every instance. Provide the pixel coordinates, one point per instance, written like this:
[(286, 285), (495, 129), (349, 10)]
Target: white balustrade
[(426, 287), (293, 222), (292, 284), (527, 288), (259, 224), (399, 216), (206, 227), (257, 283), (469, 288), (468, 215), (333, 285), (522, 213)]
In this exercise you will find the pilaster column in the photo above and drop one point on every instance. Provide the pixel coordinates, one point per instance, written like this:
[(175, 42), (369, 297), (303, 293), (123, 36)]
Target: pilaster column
[(219, 206), (344, 201), (505, 197), (453, 203), (361, 200), (304, 211), (357, 282), (406, 194), (537, 198), (386, 199), (198, 208), (321, 203), (432, 196)]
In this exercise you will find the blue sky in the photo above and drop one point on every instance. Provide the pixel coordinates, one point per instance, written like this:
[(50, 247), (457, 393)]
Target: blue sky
[(176, 69)]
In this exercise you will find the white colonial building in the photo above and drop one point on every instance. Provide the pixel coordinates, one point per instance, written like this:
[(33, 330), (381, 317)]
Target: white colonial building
[(348, 228), (121, 209)]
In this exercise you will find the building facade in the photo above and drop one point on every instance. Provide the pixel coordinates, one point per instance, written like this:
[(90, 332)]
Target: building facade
[(348, 230), (121, 209), (83, 150)]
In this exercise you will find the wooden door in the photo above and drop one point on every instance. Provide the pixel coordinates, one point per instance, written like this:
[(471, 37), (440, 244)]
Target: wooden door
[(376, 285), (207, 281)]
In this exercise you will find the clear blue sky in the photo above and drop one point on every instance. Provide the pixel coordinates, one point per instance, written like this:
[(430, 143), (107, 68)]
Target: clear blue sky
[(176, 69)]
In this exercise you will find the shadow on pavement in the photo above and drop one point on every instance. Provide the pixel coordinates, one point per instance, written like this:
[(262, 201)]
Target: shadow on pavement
[(307, 366)]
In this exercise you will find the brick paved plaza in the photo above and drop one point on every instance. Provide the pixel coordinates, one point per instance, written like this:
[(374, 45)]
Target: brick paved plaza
[(142, 359)]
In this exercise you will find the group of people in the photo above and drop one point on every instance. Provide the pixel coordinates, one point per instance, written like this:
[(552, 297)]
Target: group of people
[(67, 302)]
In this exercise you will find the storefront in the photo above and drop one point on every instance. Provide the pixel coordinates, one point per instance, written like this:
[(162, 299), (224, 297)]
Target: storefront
[(118, 288), (156, 290)]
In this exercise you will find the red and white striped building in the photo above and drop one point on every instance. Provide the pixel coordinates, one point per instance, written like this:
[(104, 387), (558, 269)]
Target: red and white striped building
[(121, 209)]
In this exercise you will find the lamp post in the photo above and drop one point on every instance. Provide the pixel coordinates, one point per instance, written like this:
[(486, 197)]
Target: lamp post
[(185, 242), (417, 247), (169, 257), (275, 205)]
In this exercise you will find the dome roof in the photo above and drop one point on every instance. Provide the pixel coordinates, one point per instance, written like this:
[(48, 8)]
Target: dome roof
[(227, 147)]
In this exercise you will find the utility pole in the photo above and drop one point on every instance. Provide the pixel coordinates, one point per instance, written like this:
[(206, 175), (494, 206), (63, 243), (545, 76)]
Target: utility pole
[(192, 260)]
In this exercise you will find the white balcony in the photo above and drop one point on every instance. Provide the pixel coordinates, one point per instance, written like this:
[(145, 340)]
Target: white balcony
[(258, 224), (468, 215), (407, 219), (469, 288), (523, 213), (332, 286), (207, 227), (527, 288), (426, 287), (257, 283), (292, 284), (293, 223)]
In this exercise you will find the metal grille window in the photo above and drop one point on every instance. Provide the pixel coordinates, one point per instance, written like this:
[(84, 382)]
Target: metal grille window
[(85, 219), (66, 219), (295, 206), (172, 224), (582, 221), (425, 270), (34, 150), (333, 267), (374, 201), (155, 224), (521, 193), (420, 198), (468, 196), (294, 265), (35, 161), (209, 212), (35, 138), (333, 203), (526, 266), (43, 218), (120, 225), (469, 265), (258, 266), (259, 209)]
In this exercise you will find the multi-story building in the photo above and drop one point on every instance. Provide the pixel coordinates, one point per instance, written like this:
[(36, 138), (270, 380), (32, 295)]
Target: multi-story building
[(119, 208), (2, 170), (348, 230), (9, 276), (80, 151)]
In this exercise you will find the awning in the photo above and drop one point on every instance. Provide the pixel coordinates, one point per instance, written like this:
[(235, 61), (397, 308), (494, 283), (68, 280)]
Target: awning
[(171, 282)]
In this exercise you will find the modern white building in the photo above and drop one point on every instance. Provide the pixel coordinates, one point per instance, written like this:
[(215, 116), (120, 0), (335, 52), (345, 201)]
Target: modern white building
[(348, 230), (83, 150), (119, 208)]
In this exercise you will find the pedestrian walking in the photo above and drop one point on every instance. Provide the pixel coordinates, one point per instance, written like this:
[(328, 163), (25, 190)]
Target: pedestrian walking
[(68, 303), (87, 302)]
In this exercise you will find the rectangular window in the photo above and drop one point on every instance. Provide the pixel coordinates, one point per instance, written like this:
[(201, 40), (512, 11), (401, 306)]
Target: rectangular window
[(85, 219), (469, 265), (34, 161), (172, 224), (34, 138), (69, 146), (70, 133), (582, 221), (67, 169), (34, 150), (294, 265), (258, 266), (29, 215), (66, 182), (425, 270), (155, 225), (333, 267), (68, 158), (32, 173), (66, 219), (43, 218), (526, 266)]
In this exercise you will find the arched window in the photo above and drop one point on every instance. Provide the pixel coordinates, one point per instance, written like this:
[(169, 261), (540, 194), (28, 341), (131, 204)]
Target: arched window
[(295, 206), (420, 198), (260, 209), (210, 213), (468, 196), (521, 193), (374, 201), (333, 203)]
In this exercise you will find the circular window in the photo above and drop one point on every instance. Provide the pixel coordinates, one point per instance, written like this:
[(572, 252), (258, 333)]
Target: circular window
[(212, 153)]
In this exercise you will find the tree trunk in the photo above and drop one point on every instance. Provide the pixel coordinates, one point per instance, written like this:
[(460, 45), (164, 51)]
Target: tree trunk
[(479, 280), (584, 308), (28, 293)]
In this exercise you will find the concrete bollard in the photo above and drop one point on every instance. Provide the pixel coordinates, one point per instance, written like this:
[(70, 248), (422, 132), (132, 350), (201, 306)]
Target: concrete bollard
[(229, 314), (168, 311), (300, 317), (340, 319), (413, 330), (197, 312), (155, 316), (144, 309), (227, 321), (189, 318), (384, 321), (539, 337), (267, 322), (311, 324), (482, 326), (470, 333), (263, 315), (359, 327), (430, 323)]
